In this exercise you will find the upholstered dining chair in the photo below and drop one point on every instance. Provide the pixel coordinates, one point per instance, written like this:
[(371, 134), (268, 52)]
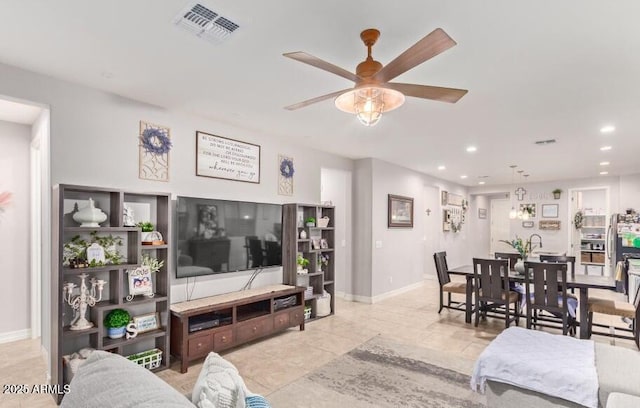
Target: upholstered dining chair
[(446, 285), (491, 287), (512, 257), (616, 308), (549, 283)]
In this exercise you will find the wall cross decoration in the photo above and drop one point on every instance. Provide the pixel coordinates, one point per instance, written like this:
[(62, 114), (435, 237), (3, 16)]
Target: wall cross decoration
[(520, 192)]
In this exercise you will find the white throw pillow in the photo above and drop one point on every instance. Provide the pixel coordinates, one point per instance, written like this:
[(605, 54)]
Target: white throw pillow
[(219, 385)]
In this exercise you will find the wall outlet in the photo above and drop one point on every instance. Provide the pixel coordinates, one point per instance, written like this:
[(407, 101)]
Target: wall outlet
[(378, 244)]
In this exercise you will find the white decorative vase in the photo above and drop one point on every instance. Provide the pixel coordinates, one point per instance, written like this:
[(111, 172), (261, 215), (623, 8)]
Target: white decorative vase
[(303, 234), (90, 216), (519, 266)]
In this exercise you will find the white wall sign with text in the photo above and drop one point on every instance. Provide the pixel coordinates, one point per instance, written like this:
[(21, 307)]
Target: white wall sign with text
[(224, 158)]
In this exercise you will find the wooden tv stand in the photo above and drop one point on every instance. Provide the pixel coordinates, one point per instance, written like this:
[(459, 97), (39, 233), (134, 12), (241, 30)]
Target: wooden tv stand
[(237, 317)]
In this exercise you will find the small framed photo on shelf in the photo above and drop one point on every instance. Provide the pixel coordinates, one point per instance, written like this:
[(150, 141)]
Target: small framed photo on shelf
[(549, 210), (147, 322), (315, 244), (140, 282), (324, 244)]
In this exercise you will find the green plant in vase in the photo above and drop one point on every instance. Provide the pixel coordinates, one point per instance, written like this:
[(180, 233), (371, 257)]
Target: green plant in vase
[(302, 262), (116, 322), (146, 226), (310, 222)]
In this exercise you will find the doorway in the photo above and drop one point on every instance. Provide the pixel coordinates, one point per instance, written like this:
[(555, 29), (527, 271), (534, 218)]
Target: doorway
[(588, 243), (25, 140), (500, 224)]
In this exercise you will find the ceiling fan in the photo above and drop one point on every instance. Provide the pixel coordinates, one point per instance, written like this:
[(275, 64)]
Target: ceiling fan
[(373, 94)]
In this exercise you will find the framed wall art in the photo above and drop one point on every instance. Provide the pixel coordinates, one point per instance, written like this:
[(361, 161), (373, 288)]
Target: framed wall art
[(153, 152), (220, 157), (528, 224), (482, 213), (550, 210), (529, 208), (549, 225), (400, 211)]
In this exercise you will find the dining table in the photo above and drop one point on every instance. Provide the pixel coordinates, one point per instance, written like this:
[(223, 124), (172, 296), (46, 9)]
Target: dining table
[(581, 282)]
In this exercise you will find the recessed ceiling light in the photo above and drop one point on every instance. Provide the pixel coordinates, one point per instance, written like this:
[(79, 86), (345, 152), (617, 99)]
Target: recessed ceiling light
[(605, 148), (464, 176), (604, 163), (441, 167), (602, 173), (607, 129), (481, 182), (471, 149)]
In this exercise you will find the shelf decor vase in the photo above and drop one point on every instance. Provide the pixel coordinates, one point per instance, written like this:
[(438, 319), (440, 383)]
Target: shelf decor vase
[(519, 266), (303, 234), (116, 332), (90, 216)]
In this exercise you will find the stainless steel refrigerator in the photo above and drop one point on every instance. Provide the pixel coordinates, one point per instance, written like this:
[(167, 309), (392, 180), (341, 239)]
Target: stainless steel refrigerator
[(623, 242)]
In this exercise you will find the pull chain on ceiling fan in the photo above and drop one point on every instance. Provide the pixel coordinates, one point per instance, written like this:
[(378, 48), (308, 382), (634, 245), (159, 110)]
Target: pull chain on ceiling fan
[(373, 94)]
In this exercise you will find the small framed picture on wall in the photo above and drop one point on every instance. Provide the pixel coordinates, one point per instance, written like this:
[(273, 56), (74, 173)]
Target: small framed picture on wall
[(482, 213), (549, 210)]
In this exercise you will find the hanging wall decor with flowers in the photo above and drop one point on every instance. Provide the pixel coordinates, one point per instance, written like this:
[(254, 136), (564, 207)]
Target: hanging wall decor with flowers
[(155, 144), (285, 175)]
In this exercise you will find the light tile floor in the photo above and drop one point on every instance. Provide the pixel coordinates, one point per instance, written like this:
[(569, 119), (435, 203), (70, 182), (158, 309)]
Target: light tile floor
[(271, 363)]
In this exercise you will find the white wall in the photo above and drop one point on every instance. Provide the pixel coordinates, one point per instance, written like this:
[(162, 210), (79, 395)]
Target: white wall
[(337, 188), (629, 193), (540, 193), (15, 295), (388, 260)]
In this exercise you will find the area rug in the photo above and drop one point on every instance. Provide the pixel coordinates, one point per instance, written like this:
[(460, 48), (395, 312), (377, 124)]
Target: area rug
[(384, 373)]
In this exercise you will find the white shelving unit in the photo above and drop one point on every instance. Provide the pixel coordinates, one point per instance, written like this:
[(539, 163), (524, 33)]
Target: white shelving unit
[(593, 241)]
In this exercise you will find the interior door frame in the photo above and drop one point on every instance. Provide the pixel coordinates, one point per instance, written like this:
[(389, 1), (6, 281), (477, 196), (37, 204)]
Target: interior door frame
[(571, 230)]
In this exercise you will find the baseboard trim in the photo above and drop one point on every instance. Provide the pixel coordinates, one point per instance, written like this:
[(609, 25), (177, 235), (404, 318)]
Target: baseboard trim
[(15, 336), (396, 292), (370, 300)]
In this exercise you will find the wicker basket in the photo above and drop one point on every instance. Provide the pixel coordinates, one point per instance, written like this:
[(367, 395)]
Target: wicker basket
[(323, 222), (149, 359)]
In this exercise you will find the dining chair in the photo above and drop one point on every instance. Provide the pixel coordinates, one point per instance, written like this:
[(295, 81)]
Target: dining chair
[(446, 285), (569, 260), (511, 256), (616, 308), (491, 287), (549, 283)]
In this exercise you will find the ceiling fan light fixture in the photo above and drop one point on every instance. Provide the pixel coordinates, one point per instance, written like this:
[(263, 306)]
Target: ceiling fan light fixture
[(368, 103)]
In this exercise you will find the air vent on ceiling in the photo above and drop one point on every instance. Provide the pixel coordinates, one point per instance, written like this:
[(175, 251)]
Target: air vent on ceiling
[(205, 23), (545, 142)]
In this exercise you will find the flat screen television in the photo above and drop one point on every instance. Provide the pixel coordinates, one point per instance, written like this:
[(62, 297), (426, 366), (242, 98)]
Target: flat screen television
[(220, 236)]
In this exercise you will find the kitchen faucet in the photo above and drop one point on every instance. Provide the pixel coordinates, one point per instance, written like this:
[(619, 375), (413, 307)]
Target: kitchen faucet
[(531, 239)]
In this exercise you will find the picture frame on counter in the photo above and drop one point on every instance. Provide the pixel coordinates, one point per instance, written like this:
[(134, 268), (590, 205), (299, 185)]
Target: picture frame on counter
[(147, 322)]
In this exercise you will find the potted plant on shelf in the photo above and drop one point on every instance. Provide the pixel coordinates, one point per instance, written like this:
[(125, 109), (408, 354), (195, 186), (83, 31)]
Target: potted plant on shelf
[(149, 235), (302, 263), (154, 264), (310, 222), (556, 193), (116, 322)]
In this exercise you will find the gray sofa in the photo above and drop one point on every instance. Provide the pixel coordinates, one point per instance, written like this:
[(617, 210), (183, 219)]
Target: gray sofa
[(110, 380), (618, 378)]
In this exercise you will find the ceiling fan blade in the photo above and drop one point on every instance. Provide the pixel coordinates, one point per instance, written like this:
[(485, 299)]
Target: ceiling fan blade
[(314, 100), (433, 44), (324, 65), (435, 93)]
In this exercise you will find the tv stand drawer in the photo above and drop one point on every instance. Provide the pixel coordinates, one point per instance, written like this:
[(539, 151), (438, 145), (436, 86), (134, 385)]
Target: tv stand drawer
[(200, 346), (223, 339), (254, 328)]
